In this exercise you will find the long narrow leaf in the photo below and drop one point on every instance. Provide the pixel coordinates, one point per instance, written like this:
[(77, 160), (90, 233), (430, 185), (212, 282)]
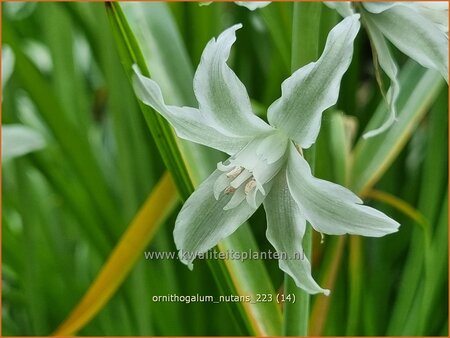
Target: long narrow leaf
[(373, 156), (74, 143), (305, 49), (159, 205)]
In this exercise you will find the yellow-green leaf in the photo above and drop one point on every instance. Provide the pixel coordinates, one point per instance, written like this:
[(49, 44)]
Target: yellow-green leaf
[(143, 227)]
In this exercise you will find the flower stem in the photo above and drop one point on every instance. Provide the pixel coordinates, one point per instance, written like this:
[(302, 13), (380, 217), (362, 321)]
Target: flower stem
[(296, 315), (305, 48)]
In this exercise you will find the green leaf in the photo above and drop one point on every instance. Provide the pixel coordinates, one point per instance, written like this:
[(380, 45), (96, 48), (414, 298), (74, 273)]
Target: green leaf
[(143, 227), (77, 148), (424, 244), (279, 24), (305, 33), (372, 157), (60, 38), (356, 282), (341, 130), (250, 277), (131, 54), (436, 269)]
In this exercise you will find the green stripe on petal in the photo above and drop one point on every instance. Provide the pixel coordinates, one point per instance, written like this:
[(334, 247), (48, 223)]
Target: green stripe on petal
[(331, 208), (314, 87), (285, 230), (220, 93), (189, 123)]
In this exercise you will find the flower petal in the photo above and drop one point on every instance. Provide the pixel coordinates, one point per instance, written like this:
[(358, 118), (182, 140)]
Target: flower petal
[(331, 208), (344, 8), (435, 11), (221, 95), (189, 123), (18, 140), (387, 63), (7, 64), (379, 7), (416, 36), (203, 221), (314, 87), (262, 158), (285, 230), (252, 5)]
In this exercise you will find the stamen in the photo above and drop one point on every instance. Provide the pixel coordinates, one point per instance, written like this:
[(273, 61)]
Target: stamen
[(235, 172), (229, 190), (236, 199), (299, 149), (220, 184), (250, 185), (241, 178)]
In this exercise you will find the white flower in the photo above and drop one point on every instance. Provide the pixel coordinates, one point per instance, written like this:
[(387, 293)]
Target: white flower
[(265, 166), (252, 5), (418, 29), (19, 140), (7, 64)]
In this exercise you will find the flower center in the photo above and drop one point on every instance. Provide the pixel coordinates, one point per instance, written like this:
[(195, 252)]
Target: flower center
[(247, 174), (238, 182)]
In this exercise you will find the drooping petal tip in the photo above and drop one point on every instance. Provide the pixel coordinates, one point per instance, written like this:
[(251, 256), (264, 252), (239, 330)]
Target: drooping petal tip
[(389, 66), (285, 230), (380, 130), (414, 33)]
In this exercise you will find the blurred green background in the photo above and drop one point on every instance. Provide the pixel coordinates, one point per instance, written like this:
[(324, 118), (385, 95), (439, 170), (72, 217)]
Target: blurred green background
[(65, 207)]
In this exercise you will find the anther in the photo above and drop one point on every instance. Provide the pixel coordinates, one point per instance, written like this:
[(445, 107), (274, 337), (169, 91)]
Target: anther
[(235, 172), (299, 149), (229, 190), (249, 186)]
